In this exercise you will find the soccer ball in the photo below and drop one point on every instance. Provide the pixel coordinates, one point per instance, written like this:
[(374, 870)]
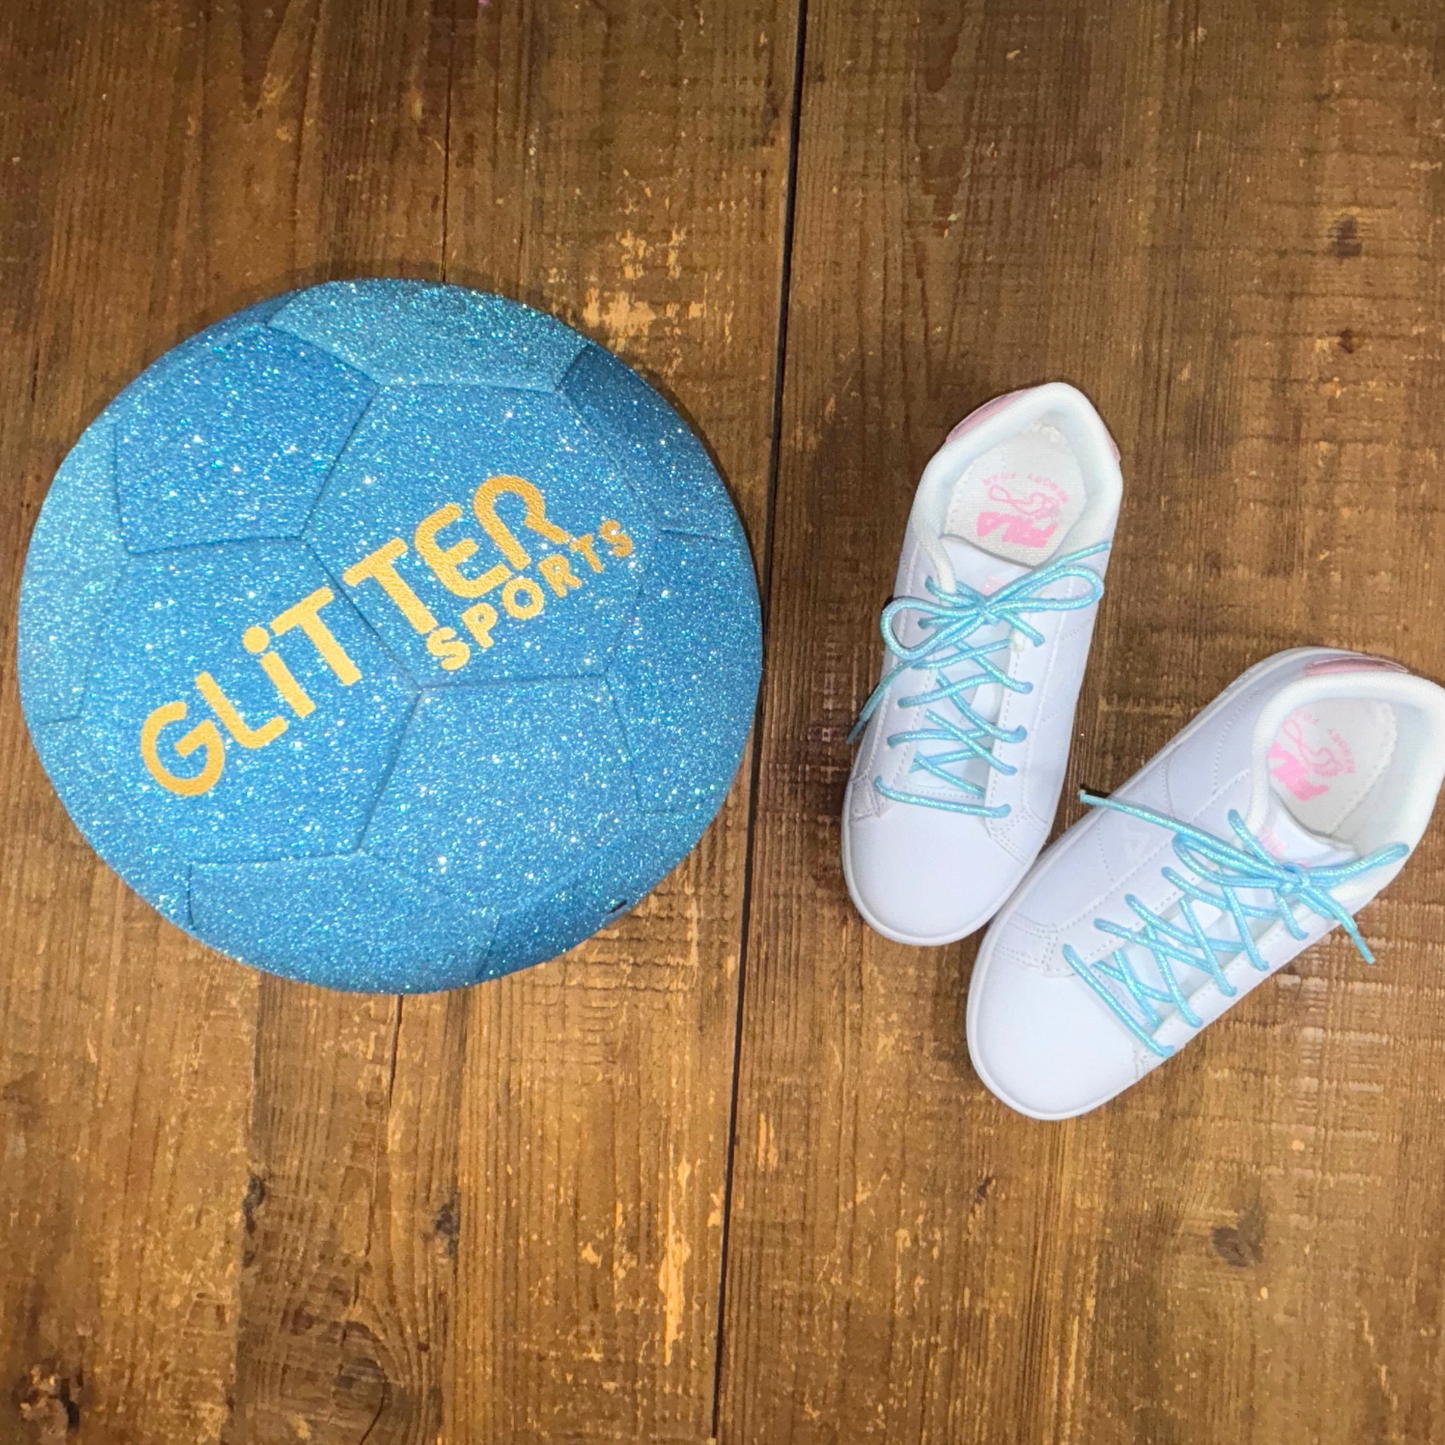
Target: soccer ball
[(389, 636)]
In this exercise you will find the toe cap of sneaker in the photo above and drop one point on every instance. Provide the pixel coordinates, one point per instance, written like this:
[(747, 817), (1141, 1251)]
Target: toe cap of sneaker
[(1039, 1039), (925, 875)]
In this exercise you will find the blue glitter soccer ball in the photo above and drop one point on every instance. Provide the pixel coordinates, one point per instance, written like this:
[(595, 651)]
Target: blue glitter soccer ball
[(389, 636)]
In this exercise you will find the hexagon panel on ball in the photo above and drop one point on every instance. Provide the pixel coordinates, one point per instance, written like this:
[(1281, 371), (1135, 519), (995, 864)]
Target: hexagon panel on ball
[(232, 441), (502, 793), (685, 674), (652, 444), (414, 333), (352, 922)]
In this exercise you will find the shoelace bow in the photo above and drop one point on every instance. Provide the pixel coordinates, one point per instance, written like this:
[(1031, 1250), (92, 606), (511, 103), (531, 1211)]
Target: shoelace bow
[(1221, 872), (948, 620)]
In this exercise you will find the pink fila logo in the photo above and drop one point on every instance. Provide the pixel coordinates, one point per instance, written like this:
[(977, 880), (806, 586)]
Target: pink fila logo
[(1030, 520), (1308, 769)]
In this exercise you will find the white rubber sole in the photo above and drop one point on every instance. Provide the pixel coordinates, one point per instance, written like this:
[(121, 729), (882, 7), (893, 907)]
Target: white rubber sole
[(1276, 662)]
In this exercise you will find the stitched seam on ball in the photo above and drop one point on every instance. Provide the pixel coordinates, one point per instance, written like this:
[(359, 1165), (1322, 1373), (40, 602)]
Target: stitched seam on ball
[(344, 594), (390, 770), (623, 467), (335, 462)]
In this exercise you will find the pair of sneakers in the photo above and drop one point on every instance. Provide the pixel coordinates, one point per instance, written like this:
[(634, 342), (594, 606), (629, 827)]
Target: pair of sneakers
[(1275, 815)]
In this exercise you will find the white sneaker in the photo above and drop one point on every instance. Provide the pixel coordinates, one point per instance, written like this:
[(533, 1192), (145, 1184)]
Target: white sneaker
[(965, 739), (1279, 812)]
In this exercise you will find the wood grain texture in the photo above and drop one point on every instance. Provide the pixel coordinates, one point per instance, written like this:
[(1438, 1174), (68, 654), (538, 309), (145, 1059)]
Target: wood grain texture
[(1223, 221), (125, 1050)]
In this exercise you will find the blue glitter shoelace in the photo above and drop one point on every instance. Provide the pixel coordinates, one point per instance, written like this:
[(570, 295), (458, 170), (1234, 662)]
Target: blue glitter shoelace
[(948, 620), (1220, 872)]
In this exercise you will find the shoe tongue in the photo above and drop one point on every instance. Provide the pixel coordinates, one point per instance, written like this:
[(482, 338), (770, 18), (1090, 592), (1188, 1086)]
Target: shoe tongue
[(1289, 841), (974, 567)]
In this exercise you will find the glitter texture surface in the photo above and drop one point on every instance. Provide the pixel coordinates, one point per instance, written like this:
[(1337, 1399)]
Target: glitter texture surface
[(505, 791), (233, 440), (683, 672), (389, 636), (421, 940), (419, 449), (76, 555), (410, 333), (667, 465)]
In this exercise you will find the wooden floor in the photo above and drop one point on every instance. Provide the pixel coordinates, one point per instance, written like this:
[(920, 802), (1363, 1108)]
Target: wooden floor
[(725, 1171)]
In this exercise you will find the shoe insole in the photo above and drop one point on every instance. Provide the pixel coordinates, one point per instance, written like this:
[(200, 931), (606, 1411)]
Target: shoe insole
[(1019, 500), (1326, 757)]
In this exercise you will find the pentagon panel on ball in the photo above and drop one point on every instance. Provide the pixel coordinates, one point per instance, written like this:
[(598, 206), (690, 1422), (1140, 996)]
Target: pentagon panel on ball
[(389, 636)]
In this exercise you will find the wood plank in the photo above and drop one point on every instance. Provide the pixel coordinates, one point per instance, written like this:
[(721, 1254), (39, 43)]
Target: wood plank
[(430, 1257), (1222, 220), (125, 1050), (625, 167)]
